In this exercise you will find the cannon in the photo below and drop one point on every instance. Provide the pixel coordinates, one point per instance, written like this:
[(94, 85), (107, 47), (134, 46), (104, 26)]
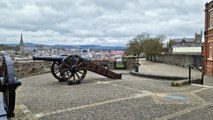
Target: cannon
[(73, 68), (8, 85)]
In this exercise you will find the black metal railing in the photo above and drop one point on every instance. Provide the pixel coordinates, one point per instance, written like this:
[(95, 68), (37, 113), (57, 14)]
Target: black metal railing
[(198, 67)]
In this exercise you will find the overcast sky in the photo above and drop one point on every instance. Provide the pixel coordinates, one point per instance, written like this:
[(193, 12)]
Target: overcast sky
[(100, 22)]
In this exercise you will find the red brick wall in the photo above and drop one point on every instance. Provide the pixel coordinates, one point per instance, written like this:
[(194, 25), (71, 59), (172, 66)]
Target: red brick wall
[(208, 39)]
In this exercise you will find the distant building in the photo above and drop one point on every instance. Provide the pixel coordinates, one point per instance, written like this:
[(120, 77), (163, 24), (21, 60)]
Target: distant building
[(208, 44), (24, 50), (86, 51), (21, 46), (117, 55), (186, 45)]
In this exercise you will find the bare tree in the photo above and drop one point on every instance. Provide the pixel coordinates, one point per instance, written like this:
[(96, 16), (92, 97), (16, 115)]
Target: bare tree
[(144, 43), (135, 46)]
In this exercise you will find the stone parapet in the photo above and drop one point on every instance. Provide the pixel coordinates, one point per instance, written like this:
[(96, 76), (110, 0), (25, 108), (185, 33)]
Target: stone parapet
[(29, 68), (177, 59)]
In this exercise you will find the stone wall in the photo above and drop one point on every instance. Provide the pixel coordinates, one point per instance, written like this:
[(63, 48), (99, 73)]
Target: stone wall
[(30, 68), (130, 61), (109, 64), (25, 69), (179, 60)]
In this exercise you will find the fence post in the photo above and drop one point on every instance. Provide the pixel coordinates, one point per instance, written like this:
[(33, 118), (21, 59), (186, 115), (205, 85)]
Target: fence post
[(202, 78), (190, 75), (114, 64)]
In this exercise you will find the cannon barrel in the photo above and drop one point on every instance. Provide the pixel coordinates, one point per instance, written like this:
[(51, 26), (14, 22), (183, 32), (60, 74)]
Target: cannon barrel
[(49, 58)]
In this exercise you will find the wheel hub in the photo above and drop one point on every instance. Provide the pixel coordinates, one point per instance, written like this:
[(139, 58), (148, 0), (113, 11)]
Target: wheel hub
[(74, 68)]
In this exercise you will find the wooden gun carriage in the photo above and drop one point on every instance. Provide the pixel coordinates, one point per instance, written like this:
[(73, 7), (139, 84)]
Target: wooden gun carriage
[(73, 68)]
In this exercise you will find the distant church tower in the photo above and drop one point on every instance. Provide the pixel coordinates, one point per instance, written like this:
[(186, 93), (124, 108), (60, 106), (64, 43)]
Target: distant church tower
[(21, 46)]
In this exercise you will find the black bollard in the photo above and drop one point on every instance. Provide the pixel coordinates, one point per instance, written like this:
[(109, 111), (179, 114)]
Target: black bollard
[(202, 78), (190, 74)]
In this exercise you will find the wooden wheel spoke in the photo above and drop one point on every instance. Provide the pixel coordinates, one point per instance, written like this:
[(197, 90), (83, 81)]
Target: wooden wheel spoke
[(57, 63), (79, 64), (73, 76), (76, 62), (77, 75), (56, 72), (60, 76), (80, 72), (66, 69), (73, 64), (70, 61), (70, 76), (67, 73), (56, 68), (67, 65)]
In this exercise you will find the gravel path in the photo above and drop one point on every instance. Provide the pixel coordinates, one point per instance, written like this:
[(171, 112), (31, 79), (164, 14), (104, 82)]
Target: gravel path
[(100, 98)]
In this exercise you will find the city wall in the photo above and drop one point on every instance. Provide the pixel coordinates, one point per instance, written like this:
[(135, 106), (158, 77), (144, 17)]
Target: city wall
[(177, 59), (30, 68)]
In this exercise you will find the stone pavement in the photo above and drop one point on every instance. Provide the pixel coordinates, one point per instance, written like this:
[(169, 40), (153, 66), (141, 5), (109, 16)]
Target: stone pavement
[(161, 69), (151, 69), (100, 98)]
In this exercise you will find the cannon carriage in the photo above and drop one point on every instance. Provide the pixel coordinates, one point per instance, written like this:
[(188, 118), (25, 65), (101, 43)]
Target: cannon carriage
[(73, 68), (8, 85)]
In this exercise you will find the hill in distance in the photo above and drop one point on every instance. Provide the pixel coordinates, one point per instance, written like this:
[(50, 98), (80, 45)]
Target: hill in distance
[(98, 47)]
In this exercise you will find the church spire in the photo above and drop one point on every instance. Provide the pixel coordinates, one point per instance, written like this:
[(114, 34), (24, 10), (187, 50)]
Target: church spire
[(21, 41), (21, 45)]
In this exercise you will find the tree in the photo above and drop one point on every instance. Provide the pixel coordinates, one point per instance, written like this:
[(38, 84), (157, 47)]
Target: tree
[(153, 45), (144, 43), (135, 45)]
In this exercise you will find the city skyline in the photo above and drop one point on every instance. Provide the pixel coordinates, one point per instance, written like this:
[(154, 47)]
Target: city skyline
[(97, 22)]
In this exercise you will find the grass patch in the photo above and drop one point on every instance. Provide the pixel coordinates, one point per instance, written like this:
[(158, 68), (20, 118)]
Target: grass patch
[(120, 66)]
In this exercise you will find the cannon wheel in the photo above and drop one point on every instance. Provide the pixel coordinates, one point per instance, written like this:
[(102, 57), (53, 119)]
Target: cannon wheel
[(74, 68), (56, 71), (9, 93)]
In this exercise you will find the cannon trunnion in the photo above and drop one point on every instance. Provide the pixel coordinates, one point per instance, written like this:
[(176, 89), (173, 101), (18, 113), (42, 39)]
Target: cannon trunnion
[(8, 85), (73, 68)]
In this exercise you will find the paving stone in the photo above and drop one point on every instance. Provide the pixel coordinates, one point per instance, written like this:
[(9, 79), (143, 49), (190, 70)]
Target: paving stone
[(206, 94), (44, 94), (201, 114), (153, 85), (134, 109)]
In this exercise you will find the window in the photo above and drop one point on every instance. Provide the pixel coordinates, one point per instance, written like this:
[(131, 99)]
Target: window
[(211, 19), (210, 50)]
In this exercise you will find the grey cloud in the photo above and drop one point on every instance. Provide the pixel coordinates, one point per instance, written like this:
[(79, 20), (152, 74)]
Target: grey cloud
[(97, 21), (115, 5)]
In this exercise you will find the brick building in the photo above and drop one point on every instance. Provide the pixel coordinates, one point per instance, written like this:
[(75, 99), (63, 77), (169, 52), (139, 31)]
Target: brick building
[(208, 50)]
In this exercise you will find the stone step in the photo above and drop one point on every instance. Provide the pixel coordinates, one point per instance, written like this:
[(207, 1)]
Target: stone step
[(179, 83), (23, 113)]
